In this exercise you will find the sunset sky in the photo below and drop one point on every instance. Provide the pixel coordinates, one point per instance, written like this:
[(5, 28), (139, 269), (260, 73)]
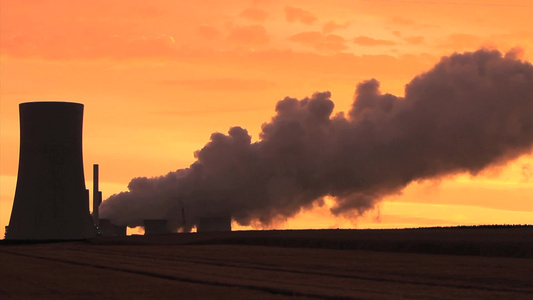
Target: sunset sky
[(158, 77)]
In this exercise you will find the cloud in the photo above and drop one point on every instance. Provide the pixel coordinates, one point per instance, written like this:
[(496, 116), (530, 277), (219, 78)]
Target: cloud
[(331, 26), (222, 84), (515, 53), (368, 41), (249, 35), (89, 46), (401, 21), (469, 112), (207, 32), (319, 41), (414, 40), (254, 14), (294, 14), (461, 41)]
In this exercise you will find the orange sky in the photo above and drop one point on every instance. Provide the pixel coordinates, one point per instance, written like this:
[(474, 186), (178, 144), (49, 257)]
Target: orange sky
[(158, 77)]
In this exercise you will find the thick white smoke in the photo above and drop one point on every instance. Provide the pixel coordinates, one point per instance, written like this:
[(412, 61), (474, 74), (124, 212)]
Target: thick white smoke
[(470, 111)]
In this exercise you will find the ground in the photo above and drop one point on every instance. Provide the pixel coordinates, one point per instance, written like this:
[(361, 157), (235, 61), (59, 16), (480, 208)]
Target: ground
[(276, 265)]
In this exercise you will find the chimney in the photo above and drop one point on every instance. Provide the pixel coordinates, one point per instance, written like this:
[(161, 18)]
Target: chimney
[(97, 196)]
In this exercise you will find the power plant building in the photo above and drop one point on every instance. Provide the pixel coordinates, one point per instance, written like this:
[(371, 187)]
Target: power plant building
[(210, 224), (51, 200), (107, 228), (155, 226)]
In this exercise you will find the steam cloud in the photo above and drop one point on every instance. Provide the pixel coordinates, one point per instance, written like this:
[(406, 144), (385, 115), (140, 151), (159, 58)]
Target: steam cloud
[(469, 112)]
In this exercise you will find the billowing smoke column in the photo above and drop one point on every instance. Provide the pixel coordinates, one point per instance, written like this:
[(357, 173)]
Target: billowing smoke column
[(469, 112)]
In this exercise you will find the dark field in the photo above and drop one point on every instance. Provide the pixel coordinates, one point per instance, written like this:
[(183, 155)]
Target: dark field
[(447, 263)]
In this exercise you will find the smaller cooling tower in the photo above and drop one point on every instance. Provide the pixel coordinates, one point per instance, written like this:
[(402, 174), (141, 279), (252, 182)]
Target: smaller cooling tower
[(109, 229), (155, 226), (219, 223)]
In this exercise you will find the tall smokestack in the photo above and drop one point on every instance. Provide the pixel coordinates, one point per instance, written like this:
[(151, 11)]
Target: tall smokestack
[(97, 196), (51, 201)]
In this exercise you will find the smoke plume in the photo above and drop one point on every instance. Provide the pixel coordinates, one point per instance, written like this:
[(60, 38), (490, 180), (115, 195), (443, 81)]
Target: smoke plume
[(469, 112)]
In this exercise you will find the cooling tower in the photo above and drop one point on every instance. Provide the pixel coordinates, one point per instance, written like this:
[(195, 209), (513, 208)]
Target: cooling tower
[(51, 201)]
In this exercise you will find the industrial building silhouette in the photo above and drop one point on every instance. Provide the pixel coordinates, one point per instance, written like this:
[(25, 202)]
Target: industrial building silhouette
[(155, 226), (106, 228), (214, 223), (51, 200)]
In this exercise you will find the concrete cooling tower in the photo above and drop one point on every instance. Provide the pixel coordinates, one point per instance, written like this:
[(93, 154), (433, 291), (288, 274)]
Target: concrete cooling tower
[(51, 201)]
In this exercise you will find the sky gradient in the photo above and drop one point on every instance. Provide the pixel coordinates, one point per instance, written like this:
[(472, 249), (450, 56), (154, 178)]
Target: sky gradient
[(157, 78)]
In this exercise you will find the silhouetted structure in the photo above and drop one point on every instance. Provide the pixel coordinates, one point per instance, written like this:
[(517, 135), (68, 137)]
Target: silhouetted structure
[(155, 226), (109, 229), (97, 196), (220, 223), (51, 201)]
